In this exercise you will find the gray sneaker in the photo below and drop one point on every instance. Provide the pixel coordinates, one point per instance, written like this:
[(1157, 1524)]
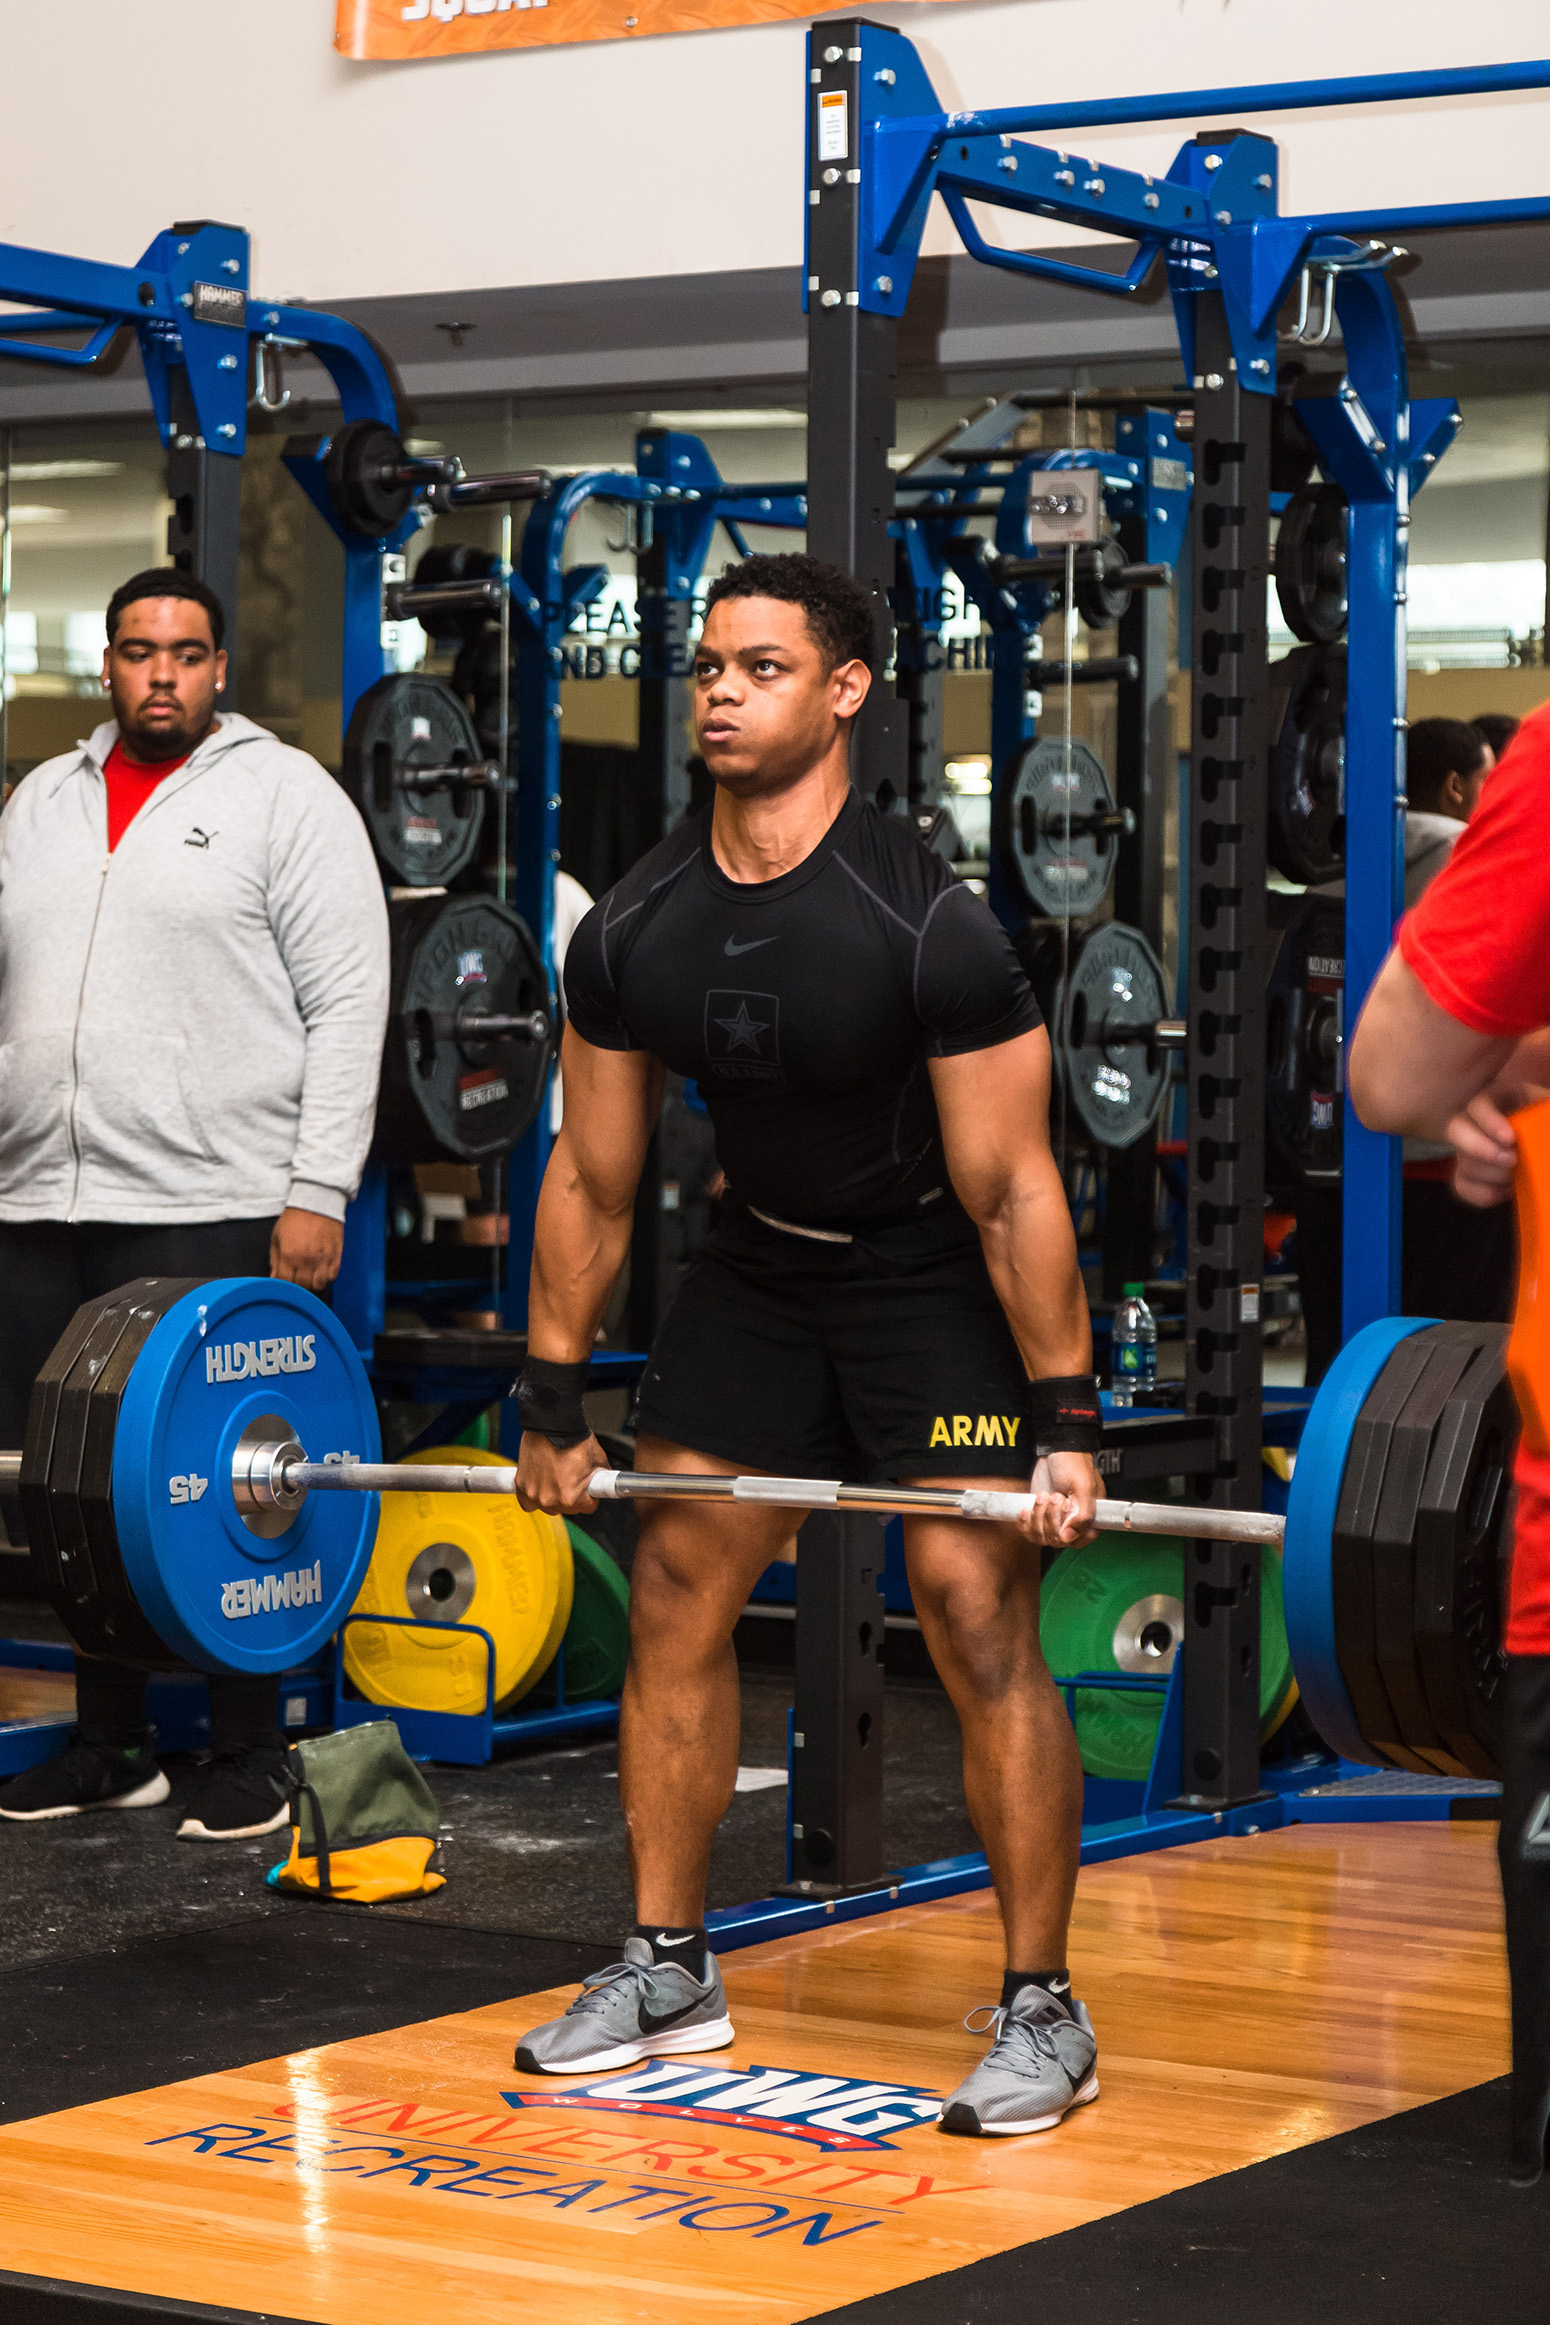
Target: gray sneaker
[(635, 2009), (1042, 2063)]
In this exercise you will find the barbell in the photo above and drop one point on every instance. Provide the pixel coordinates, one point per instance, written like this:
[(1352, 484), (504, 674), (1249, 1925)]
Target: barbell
[(202, 1463)]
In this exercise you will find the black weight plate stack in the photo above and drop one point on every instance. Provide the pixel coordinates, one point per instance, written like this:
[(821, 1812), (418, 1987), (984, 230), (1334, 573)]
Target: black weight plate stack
[(1307, 764), (67, 1470), (456, 561), (359, 469), (1302, 1027), (447, 1092), (1114, 1081), (1311, 564), (1065, 876), (1352, 1563), (1462, 1541), (1101, 597), (425, 838), (1395, 1542)]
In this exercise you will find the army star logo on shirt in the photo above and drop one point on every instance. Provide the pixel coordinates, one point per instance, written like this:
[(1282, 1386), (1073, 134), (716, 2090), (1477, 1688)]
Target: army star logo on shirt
[(741, 1026), (742, 1031)]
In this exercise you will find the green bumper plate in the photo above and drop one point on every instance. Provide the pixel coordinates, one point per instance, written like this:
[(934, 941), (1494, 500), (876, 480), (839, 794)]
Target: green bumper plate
[(597, 1638), (1095, 1596)]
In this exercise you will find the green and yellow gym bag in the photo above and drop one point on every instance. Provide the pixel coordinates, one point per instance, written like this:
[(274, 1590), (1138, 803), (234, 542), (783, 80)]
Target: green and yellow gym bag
[(364, 1822)]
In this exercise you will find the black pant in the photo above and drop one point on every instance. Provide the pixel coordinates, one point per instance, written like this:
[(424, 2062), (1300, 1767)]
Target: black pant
[(1525, 1863), (1459, 1263), (47, 1269)]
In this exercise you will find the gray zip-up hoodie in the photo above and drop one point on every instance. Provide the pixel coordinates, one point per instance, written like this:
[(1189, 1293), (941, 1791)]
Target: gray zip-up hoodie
[(190, 1028)]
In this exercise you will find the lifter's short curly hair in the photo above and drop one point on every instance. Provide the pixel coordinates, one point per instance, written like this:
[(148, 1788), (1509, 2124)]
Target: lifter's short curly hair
[(838, 610)]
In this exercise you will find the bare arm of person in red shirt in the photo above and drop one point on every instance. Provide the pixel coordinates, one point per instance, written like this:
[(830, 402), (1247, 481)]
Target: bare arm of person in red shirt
[(1455, 1034), (1415, 1069)]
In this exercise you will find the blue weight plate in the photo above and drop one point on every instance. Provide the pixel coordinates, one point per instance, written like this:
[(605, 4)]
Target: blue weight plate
[(221, 1596), (1308, 1570)]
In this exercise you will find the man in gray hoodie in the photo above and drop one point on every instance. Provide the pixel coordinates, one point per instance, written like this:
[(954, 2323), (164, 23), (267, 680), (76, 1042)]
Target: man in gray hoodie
[(193, 992)]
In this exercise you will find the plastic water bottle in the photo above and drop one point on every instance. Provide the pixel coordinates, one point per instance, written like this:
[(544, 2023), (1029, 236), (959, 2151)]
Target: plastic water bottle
[(1132, 1347)]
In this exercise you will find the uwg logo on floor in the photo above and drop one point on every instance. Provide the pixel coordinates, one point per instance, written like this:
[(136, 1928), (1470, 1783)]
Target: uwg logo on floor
[(831, 2111)]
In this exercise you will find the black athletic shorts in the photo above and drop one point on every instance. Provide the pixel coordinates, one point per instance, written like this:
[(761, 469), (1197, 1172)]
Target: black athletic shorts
[(884, 1358)]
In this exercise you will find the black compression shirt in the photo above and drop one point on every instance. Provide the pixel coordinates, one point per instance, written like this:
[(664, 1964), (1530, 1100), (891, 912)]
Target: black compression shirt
[(805, 1007)]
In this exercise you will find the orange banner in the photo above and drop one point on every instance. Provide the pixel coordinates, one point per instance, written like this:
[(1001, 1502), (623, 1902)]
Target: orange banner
[(434, 28)]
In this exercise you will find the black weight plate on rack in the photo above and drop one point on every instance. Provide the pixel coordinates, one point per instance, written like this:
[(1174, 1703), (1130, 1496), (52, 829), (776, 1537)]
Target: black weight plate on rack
[(357, 468), (1113, 1086), (425, 838), (128, 1635), (65, 1574), (1463, 1537), (1303, 1105), (1101, 597), (1307, 764), (1351, 1564), (1311, 564), (448, 1093), (1453, 1347), (87, 1585), (1063, 875)]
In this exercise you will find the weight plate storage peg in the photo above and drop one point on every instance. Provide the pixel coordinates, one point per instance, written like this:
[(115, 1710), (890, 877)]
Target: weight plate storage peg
[(450, 1558), (1058, 826), (1307, 765), (401, 731), (1302, 1040), (1108, 1013), (470, 1034), (132, 1505)]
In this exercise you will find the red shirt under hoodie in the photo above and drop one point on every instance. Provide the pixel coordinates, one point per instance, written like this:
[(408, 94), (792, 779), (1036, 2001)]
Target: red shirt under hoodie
[(130, 786)]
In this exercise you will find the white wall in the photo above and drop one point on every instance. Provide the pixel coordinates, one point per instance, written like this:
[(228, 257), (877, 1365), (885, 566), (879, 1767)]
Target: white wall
[(675, 155)]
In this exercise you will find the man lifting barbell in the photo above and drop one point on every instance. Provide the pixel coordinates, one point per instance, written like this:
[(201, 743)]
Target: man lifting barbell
[(193, 989), (892, 1293), (1455, 1037)]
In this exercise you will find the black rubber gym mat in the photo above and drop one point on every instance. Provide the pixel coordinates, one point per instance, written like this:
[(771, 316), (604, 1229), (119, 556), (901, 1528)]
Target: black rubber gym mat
[(1410, 2221), (166, 2007)]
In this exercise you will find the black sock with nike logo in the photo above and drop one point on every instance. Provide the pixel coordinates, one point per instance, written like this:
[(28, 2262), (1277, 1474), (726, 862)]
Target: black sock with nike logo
[(1056, 1982), (686, 1948)]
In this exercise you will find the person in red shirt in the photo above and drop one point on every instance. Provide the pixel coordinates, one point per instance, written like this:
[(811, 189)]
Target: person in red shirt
[(1454, 1038)]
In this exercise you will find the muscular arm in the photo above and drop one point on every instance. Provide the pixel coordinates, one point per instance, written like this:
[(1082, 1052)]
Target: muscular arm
[(994, 1110), (1414, 1068), (586, 1209), (586, 1206)]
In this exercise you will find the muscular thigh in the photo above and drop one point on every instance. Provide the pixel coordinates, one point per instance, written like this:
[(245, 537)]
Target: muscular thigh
[(966, 1575), (696, 1562)]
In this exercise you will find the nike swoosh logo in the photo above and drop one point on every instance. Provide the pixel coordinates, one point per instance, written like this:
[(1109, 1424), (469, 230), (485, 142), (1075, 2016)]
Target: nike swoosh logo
[(650, 2023), (733, 948)]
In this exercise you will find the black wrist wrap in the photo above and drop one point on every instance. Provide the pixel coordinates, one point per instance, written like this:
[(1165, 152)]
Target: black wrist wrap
[(1065, 1414), (549, 1400)]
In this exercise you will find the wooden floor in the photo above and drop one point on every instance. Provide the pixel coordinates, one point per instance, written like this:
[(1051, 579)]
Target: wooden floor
[(1250, 1996), (36, 1695)]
